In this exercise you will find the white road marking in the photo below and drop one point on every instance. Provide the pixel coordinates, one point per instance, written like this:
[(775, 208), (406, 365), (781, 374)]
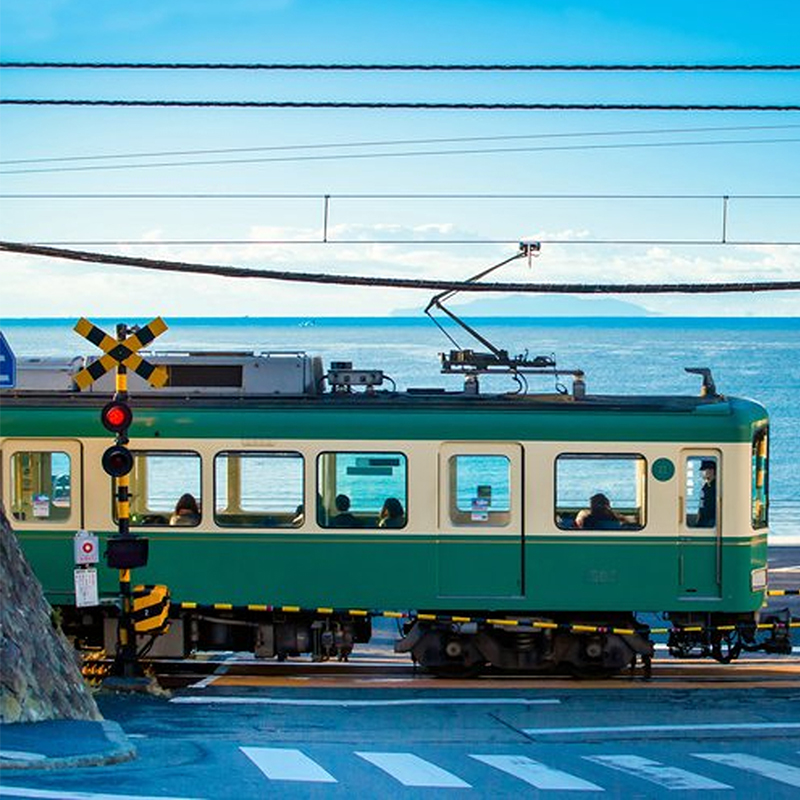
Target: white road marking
[(287, 764), (537, 774), (432, 701), (725, 726), (776, 770), (57, 794), (667, 777), (222, 669), (412, 770)]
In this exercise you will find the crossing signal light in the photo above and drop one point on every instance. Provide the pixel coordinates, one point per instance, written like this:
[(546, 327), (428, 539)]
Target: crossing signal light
[(117, 461), (116, 416)]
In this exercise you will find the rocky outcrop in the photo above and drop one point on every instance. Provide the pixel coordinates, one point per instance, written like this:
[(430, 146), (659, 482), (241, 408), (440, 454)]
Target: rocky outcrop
[(40, 678)]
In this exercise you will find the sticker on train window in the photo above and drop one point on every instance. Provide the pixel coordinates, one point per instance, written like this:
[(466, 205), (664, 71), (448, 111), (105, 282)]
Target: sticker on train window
[(600, 492)]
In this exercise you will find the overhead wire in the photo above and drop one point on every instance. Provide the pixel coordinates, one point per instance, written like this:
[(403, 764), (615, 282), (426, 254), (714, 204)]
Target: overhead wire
[(395, 283), (399, 105), (406, 241), (315, 67), (387, 196), (395, 142), (395, 154)]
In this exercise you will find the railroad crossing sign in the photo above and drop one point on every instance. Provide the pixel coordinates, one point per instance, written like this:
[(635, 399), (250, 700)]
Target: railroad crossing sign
[(121, 353), (8, 365)]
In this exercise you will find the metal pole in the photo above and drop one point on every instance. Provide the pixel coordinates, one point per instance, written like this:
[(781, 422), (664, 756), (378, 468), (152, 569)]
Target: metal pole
[(125, 663)]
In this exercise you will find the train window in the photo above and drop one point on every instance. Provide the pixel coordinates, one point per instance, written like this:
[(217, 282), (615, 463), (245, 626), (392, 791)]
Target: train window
[(480, 490), (701, 491), (600, 492), (760, 480), (165, 488), (258, 490), (41, 486), (361, 490)]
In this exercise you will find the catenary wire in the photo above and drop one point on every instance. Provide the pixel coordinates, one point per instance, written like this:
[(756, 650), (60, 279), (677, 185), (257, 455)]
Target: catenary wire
[(396, 283), (396, 142), (329, 241), (400, 154), (383, 196)]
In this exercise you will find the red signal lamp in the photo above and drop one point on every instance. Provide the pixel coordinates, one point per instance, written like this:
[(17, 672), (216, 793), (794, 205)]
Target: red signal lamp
[(116, 416)]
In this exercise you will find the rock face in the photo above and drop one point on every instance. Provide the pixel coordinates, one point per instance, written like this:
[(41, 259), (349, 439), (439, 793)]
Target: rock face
[(40, 677)]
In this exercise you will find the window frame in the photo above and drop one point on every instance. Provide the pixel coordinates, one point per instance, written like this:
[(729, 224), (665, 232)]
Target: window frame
[(760, 521), (324, 521), (641, 485), (219, 520), (73, 449), (162, 515)]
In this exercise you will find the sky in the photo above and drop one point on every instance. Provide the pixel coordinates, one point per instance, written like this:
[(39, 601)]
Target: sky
[(614, 196)]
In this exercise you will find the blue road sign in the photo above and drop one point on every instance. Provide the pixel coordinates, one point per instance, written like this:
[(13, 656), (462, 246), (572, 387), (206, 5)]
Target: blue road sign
[(8, 365)]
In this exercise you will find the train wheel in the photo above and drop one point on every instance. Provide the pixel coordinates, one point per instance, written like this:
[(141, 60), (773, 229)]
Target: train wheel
[(726, 646)]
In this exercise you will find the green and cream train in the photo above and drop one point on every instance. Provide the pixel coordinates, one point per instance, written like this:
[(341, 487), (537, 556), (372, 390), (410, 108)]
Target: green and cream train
[(520, 531)]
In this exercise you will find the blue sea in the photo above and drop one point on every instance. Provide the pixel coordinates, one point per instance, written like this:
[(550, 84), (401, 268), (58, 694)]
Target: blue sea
[(749, 357)]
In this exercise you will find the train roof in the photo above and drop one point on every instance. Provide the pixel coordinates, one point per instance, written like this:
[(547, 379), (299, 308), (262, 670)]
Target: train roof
[(203, 386)]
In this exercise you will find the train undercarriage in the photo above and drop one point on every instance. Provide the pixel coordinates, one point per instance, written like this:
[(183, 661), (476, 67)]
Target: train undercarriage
[(588, 645), (537, 645)]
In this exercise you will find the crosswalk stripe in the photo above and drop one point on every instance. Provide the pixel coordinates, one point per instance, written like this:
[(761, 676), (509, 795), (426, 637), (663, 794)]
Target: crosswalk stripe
[(537, 774), (287, 764), (411, 770), (776, 770), (668, 777)]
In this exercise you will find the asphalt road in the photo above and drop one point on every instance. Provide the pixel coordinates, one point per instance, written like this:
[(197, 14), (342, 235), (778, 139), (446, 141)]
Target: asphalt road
[(381, 737), (378, 743)]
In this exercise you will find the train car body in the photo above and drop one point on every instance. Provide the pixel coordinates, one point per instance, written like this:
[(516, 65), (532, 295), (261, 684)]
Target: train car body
[(492, 492)]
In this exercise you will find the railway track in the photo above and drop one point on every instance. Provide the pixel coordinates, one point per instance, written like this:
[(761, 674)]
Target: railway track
[(385, 671)]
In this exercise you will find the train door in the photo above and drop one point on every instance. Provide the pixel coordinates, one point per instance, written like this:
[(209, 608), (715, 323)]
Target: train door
[(480, 513), (700, 537)]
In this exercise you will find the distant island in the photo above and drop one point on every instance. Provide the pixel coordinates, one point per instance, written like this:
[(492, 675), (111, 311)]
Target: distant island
[(550, 305)]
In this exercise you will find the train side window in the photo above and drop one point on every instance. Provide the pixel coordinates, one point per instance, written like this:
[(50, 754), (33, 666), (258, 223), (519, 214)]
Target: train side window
[(362, 490), (600, 491), (41, 486), (158, 480), (701, 491), (480, 490), (258, 490), (760, 481)]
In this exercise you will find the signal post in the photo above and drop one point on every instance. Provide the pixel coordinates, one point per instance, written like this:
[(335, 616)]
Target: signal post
[(125, 551)]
